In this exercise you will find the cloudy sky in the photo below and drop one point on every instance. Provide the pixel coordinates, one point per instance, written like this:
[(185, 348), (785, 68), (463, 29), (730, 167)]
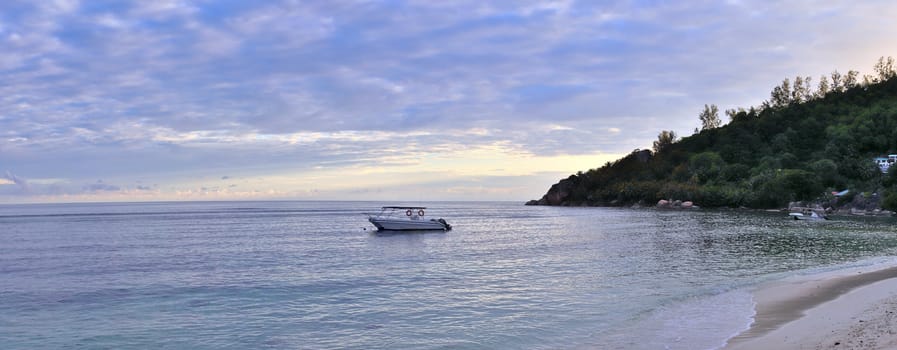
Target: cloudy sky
[(383, 100)]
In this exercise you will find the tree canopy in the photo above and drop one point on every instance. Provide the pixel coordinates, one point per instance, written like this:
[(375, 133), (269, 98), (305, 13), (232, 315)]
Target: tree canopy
[(710, 117), (664, 140)]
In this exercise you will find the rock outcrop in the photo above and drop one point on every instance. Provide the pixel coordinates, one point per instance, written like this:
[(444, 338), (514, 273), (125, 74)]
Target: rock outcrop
[(558, 193), (859, 204)]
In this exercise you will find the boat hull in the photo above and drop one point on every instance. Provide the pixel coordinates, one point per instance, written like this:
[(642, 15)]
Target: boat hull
[(813, 217), (384, 224)]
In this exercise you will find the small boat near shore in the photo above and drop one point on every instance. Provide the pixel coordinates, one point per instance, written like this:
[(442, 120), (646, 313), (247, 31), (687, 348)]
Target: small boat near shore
[(812, 216), (406, 219)]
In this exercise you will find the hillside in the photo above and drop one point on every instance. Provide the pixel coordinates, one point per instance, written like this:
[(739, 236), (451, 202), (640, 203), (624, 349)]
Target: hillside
[(801, 145)]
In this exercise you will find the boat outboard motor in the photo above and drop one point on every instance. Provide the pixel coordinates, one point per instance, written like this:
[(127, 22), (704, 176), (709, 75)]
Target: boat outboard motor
[(447, 226)]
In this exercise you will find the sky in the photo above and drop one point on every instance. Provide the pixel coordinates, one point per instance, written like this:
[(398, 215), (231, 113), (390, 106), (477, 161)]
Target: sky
[(383, 100)]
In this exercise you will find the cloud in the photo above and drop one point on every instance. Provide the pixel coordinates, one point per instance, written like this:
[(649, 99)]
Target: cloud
[(101, 186), (21, 185), (174, 90)]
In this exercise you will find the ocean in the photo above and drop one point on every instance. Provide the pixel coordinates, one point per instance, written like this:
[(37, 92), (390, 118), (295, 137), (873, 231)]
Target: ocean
[(315, 275)]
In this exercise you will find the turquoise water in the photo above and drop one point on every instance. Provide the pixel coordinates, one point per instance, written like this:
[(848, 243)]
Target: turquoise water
[(313, 275)]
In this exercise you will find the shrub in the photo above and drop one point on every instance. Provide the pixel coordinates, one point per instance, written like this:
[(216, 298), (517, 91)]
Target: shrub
[(890, 199)]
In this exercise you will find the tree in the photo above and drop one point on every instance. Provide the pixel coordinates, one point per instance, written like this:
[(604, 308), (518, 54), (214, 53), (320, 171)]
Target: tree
[(768, 155), (808, 88), (885, 68), (836, 82), (797, 93), (824, 87), (731, 113), (781, 95), (890, 200), (736, 113), (664, 140), (851, 79), (800, 184), (710, 117), (827, 171), (869, 80), (706, 166)]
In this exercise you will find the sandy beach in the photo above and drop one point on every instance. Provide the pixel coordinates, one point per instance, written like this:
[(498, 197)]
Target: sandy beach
[(850, 310)]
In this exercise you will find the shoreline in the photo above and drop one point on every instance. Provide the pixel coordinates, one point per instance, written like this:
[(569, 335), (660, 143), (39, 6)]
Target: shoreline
[(876, 212), (848, 309)]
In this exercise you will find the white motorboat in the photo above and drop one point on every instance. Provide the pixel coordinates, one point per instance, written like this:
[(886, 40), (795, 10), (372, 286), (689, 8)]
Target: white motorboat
[(811, 216), (406, 219)]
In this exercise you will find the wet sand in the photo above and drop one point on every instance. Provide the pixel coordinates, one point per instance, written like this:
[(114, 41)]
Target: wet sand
[(857, 310)]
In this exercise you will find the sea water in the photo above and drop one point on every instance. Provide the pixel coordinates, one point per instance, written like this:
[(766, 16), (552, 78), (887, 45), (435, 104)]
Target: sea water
[(315, 275)]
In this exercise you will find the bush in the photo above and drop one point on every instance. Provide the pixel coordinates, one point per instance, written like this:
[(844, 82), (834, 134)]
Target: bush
[(735, 172), (631, 192), (721, 196), (890, 199), (801, 184), (675, 190), (773, 189), (706, 166), (890, 179), (827, 172)]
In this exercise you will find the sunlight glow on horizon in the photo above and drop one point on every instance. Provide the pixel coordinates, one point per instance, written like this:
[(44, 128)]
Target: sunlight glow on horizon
[(412, 180)]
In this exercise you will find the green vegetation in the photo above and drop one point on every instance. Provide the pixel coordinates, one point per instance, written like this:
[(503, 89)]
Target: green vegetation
[(801, 144)]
